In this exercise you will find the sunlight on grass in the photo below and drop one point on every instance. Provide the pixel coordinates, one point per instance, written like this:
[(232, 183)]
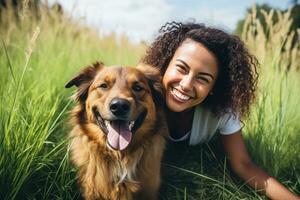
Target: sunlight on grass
[(38, 55), (41, 51), (273, 128)]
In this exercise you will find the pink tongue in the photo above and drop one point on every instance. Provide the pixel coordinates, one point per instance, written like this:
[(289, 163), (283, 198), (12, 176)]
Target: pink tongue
[(119, 135)]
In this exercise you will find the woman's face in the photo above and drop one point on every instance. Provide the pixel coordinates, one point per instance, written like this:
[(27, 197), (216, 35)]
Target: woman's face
[(190, 76)]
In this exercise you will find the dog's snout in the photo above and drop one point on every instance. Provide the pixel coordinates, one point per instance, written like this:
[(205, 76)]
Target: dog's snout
[(119, 107)]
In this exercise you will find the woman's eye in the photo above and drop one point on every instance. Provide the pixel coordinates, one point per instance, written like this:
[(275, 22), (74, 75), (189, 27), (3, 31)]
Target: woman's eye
[(202, 79), (181, 69), (137, 88), (103, 85)]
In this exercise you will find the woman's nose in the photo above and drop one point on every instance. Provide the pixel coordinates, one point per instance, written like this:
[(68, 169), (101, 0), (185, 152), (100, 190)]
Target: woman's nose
[(186, 83)]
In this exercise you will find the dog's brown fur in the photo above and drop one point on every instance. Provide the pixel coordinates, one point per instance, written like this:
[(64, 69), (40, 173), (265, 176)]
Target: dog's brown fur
[(133, 173)]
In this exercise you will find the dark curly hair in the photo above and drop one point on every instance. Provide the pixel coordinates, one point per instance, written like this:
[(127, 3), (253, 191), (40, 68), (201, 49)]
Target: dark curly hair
[(235, 87)]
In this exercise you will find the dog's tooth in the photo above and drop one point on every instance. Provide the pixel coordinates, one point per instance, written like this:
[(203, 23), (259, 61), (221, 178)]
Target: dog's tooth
[(131, 124)]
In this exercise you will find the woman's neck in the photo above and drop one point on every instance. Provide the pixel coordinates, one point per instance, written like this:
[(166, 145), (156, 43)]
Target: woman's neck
[(180, 123)]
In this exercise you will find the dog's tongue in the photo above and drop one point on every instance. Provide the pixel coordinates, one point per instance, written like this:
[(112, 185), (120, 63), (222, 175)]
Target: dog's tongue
[(119, 135)]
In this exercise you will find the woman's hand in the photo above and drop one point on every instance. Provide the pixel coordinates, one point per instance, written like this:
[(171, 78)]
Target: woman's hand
[(242, 165)]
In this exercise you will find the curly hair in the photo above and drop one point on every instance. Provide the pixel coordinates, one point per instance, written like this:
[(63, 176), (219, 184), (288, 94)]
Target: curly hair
[(234, 90)]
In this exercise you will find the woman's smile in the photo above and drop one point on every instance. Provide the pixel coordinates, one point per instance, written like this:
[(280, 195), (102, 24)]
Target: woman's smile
[(180, 96)]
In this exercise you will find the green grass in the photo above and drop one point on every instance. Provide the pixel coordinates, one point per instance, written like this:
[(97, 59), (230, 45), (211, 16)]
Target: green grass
[(37, 57)]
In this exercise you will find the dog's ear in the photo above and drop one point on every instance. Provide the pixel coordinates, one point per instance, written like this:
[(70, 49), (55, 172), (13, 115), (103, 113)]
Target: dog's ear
[(84, 79), (85, 75), (155, 82)]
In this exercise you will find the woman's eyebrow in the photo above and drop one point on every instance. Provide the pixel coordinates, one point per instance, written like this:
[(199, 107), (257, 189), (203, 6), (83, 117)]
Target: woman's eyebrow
[(184, 63), (201, 73)]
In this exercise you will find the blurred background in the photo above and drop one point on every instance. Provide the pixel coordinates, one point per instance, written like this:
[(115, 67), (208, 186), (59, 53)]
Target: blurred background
[(45, 43), (141, 19)]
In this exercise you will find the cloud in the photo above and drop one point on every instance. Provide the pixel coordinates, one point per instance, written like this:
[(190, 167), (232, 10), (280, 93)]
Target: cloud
[(139, 19)]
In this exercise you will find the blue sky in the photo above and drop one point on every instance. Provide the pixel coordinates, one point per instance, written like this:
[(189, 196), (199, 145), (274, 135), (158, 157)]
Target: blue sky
[(140, 19)]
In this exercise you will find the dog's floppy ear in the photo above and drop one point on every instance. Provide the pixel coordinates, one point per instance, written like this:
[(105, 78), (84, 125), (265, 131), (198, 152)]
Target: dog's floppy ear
[(84, 79), (155, 82)]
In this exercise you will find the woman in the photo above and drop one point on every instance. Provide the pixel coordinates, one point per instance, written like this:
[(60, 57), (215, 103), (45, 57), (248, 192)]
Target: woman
[(210, 80)]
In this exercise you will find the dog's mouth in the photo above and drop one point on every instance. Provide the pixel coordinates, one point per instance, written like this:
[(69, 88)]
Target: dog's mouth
[(119, 131)]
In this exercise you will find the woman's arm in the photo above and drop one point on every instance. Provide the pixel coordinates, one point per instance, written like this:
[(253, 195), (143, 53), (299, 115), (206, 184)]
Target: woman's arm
[(243, 166)]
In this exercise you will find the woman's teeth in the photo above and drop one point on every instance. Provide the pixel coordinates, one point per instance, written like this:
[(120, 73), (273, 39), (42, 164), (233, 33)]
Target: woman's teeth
[(179, 95)]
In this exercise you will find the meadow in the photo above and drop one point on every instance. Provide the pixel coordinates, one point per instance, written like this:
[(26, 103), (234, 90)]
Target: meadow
[(41, 51)]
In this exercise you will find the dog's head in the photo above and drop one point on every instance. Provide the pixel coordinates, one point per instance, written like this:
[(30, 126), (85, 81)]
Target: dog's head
[(121, 101)]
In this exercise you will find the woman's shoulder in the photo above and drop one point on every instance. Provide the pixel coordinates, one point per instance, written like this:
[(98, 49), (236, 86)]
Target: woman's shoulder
[(204, 111), (206, 124)]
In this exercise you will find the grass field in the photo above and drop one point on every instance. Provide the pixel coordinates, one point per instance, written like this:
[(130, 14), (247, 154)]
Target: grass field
[(39, 55)]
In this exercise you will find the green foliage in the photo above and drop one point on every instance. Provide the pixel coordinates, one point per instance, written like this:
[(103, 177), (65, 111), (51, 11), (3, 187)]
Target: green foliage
[(16, 3), (261, 9), (295, 16), (273, 128), (259, 16), (39, 55)]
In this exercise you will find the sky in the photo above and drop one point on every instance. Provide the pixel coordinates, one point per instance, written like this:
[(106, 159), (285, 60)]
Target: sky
[(141, 19)]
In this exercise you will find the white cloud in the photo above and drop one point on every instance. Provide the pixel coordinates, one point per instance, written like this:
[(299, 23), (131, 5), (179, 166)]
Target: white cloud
[(139, 19)]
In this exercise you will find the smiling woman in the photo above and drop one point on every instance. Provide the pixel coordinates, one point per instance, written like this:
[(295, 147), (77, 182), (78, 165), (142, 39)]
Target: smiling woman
[(189, 77), (210, 80)]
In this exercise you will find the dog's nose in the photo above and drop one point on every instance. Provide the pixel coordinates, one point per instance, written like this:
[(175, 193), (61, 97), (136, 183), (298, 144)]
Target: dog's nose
[(119, 107)]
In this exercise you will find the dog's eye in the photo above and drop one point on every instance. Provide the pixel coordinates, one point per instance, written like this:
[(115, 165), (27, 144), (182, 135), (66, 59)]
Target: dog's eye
[(103, 85), (137, 88)]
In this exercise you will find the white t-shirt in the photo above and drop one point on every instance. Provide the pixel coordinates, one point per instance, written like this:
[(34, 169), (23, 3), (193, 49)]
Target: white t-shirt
[(206, 124)]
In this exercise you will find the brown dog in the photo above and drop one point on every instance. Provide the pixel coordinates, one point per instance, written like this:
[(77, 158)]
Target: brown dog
[(118, 133)]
